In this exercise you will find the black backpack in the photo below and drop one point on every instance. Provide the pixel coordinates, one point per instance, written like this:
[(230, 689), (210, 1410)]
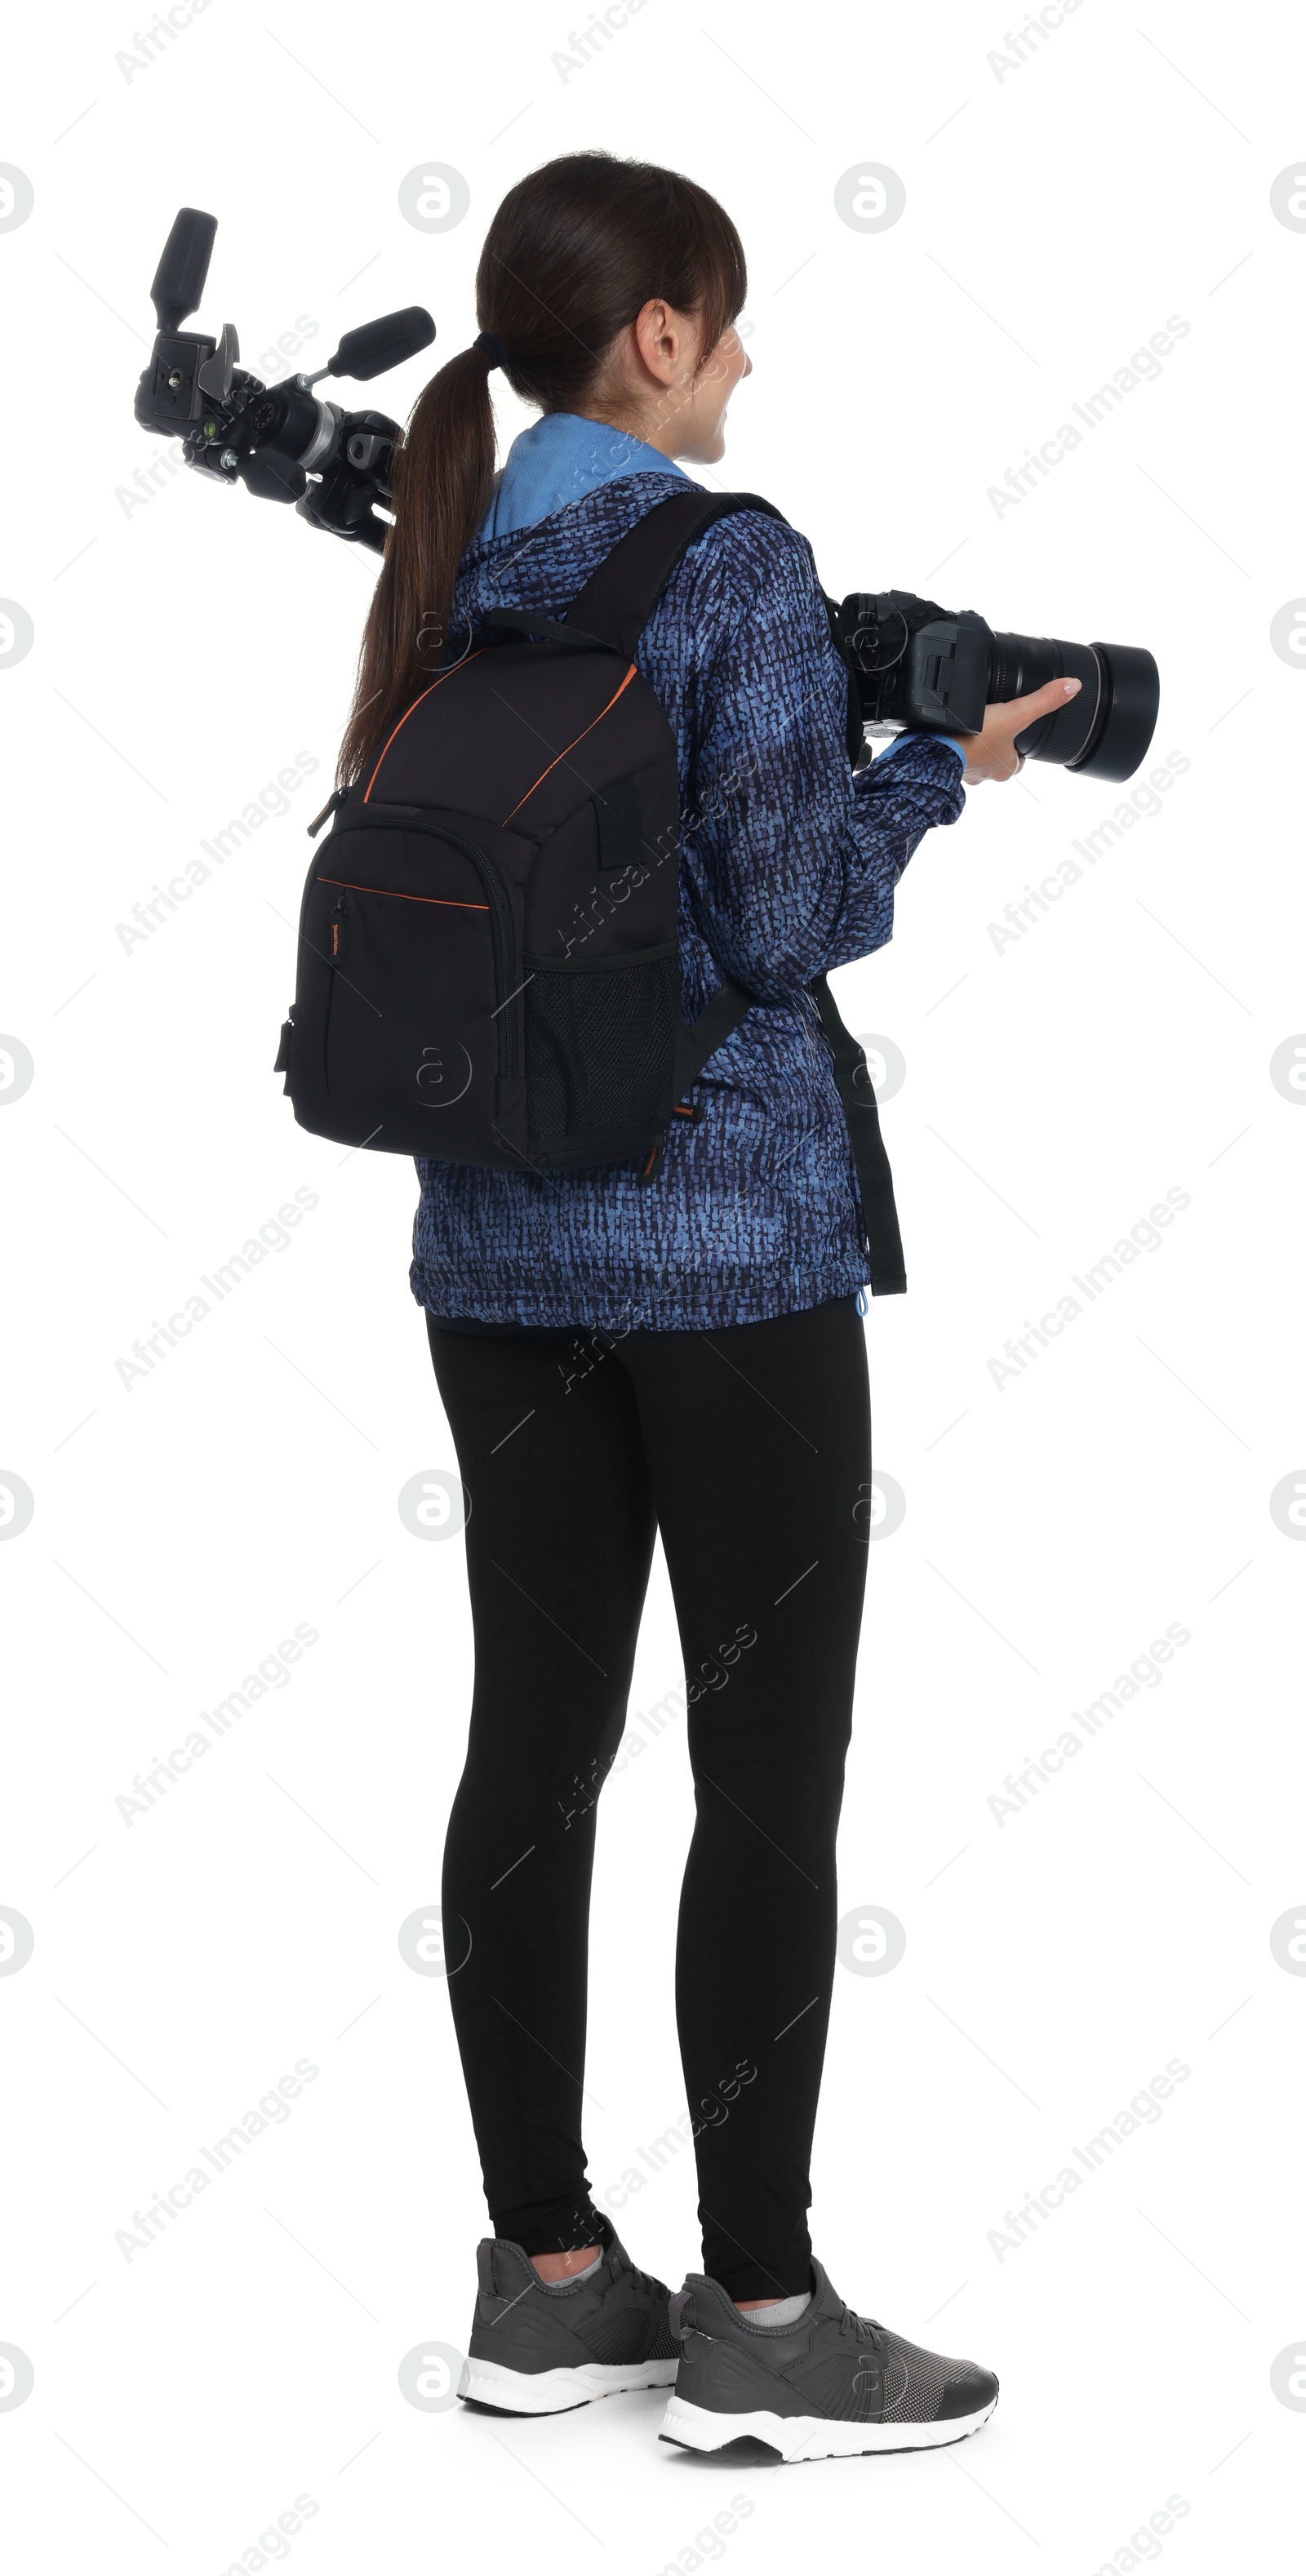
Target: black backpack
[(488, 958)]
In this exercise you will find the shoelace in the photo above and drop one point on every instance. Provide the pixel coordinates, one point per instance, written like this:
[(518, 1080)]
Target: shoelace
[(864, 2329)]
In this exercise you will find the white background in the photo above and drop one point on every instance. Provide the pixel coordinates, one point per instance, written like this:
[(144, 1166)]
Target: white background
[(184, 651)]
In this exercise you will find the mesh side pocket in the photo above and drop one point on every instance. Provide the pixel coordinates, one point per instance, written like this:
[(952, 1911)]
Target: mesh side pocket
[(599, 1042)]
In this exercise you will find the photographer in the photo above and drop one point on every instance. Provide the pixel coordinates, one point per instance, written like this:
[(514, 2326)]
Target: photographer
[(620, 1357)]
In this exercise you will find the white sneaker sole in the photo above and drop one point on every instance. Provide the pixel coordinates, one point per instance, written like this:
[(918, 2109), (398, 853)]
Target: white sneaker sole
[(553, 2392), (810, 2437)]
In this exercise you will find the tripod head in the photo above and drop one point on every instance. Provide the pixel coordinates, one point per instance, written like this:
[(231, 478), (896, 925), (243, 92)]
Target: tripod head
[(279, 440)]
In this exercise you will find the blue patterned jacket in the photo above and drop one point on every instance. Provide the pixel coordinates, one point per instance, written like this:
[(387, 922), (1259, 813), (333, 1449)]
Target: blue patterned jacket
[(788, 865)]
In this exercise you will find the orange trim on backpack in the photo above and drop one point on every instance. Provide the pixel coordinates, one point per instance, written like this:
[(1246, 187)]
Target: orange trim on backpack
[(435, 684), (570, 746), (448, 903)]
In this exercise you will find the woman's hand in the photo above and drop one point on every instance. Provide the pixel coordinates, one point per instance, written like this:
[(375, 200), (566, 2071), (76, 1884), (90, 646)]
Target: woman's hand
[(993, 753)]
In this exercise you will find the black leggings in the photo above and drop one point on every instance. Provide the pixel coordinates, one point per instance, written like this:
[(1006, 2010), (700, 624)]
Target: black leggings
[(749, 1449)]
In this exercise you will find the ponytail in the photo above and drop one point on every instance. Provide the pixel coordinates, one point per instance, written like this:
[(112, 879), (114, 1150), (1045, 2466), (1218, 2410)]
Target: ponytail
[(573, 255), (444, 471)]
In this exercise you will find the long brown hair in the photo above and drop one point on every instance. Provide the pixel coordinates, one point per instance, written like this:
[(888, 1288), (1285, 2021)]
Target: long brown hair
[(574, 253)]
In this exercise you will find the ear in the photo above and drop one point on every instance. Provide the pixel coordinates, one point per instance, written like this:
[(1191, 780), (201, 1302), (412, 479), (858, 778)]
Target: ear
[(662, 340)]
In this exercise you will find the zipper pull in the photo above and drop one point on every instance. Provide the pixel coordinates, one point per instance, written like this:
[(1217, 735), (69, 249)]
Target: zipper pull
[(337, 916), (337, 797), (653, 1164)]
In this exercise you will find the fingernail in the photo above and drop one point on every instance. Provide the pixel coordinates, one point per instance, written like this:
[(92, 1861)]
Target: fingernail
[(1070, 686)]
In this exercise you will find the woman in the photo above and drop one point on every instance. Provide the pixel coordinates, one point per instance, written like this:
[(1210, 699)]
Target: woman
[(620, 1357)]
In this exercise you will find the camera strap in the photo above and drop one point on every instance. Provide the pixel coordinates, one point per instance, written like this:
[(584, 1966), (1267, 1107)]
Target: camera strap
[(874, 1178)]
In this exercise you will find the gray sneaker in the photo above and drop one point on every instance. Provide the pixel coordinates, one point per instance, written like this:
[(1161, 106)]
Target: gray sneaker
[(827, 2387), (537, 2348)]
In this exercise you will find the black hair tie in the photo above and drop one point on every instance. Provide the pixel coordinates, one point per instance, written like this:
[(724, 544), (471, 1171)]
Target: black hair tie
[(493, 345)]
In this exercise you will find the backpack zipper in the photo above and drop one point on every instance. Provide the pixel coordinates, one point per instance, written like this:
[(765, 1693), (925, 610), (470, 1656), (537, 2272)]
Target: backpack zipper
[(336, 798), (502, 942), (335, 926)]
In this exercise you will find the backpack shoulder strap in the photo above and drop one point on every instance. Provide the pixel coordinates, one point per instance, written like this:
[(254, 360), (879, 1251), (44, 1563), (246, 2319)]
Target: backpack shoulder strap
[(615, 606), (618, 600)]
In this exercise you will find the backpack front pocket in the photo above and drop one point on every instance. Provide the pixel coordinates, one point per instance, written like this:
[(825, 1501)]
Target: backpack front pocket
[(409, 948)]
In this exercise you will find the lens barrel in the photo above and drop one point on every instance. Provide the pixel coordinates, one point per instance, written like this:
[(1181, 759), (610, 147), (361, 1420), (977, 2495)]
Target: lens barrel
[(1131, 697), (1105, 730)]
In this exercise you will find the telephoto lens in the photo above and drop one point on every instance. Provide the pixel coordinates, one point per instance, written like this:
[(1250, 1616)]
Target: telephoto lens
[(1104, 731)]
